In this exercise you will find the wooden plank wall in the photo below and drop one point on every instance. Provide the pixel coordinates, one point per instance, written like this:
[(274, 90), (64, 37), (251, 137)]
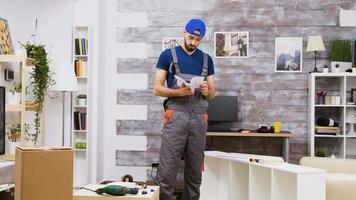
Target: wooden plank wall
[(282, 96)]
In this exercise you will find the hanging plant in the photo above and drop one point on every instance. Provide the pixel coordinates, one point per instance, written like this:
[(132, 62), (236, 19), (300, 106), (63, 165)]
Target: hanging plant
[(40, 78)]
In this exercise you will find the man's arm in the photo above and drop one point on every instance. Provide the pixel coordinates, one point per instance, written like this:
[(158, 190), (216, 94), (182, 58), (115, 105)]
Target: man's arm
[(160, 90), (207, 88)]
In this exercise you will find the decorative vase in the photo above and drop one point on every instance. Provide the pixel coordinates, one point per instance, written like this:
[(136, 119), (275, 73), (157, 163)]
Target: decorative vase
[(81, 102), (12, 146), (30, 144), (13, 98)]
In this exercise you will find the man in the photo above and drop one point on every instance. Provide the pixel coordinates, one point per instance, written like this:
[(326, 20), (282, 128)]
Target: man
[(185, 120)]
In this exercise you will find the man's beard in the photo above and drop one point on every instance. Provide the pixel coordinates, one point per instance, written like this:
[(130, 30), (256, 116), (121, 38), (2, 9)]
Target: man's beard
[(190, 48)]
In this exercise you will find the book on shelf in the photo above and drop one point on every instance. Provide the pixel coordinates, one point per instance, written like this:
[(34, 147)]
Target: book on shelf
[(80, 67), (327, 131), (327, 127), (80, 120), (81, 46)]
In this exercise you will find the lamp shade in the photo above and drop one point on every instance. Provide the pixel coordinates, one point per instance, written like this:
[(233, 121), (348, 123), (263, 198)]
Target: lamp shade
[(65, 79), (315, 43)]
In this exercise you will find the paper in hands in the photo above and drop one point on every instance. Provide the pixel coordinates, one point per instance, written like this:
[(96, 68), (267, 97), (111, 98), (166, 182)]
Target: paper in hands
[(195, 82)]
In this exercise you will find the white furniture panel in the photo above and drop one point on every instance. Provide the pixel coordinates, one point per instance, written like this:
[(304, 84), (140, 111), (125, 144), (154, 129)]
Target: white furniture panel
[(260, 186), (281, 190), (239, 180), (216, 171), (231, 176)]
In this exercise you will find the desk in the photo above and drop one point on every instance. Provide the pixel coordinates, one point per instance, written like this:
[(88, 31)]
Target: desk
[(284, 135)]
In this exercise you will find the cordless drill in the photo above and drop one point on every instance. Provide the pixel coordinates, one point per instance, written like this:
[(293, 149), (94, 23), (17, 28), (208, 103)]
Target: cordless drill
[(116, 190)]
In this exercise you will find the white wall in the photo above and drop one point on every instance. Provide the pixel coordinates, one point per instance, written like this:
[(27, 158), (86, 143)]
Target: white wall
[(54, 30), (56, 19)]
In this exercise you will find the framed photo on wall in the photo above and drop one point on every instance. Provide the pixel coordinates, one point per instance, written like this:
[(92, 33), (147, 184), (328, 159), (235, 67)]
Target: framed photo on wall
[(231, 44), (6, 47), (170, 42), (288, 55)]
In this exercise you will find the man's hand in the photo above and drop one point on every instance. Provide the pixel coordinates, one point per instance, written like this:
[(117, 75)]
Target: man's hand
[(184, 91), (204, 89)]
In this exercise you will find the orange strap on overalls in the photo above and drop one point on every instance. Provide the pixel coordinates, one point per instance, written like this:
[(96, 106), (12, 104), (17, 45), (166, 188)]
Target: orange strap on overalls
[(167, 115)]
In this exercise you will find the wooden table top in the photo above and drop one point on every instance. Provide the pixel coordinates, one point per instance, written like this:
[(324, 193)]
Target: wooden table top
[(250, 134)]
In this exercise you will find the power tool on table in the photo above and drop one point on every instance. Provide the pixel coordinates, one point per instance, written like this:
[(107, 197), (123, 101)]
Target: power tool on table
[(116, 190)]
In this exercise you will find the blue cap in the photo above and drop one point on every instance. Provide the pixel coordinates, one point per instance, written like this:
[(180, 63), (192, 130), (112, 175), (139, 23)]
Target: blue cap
[(195, 27)]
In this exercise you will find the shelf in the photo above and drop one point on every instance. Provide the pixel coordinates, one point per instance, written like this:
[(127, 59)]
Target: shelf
[(80, 150), (351, 136), (30, 106), (15, 58), (80, 56), (82, 77), (329, 136), (80, 131), (13, 107), (79, 106), (335, 106), (332, 74)]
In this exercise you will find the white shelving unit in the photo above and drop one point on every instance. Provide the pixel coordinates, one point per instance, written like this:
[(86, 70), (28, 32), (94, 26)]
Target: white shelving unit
[(342, 145), (230, 176), (81, 122)]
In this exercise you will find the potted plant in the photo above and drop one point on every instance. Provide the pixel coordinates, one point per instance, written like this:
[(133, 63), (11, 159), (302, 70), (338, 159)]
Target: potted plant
[(341, 54), (14, 135), (14, 94), (41, 78), (325, 69), (261, 118), (82, 100)]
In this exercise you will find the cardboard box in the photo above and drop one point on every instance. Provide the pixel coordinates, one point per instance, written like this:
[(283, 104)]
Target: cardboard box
[(44, 174)]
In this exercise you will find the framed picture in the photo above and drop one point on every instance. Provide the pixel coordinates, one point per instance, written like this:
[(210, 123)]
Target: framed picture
[(353, 95), (6, 47), (231, 44), (170, 42), (288, 54)]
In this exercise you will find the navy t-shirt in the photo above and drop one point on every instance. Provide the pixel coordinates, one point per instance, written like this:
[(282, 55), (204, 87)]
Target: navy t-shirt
[(188, 64)]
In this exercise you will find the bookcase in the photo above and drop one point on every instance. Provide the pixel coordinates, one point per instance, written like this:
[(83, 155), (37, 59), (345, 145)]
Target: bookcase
[(339, 104), (80, 109), (23, 63)]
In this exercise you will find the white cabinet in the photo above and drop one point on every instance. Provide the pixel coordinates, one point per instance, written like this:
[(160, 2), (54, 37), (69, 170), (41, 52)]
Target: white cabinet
[(231, 176), (338, 105), (81, 127)]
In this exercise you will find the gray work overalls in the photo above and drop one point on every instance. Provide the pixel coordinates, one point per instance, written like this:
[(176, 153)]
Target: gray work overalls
[(184, 132)]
